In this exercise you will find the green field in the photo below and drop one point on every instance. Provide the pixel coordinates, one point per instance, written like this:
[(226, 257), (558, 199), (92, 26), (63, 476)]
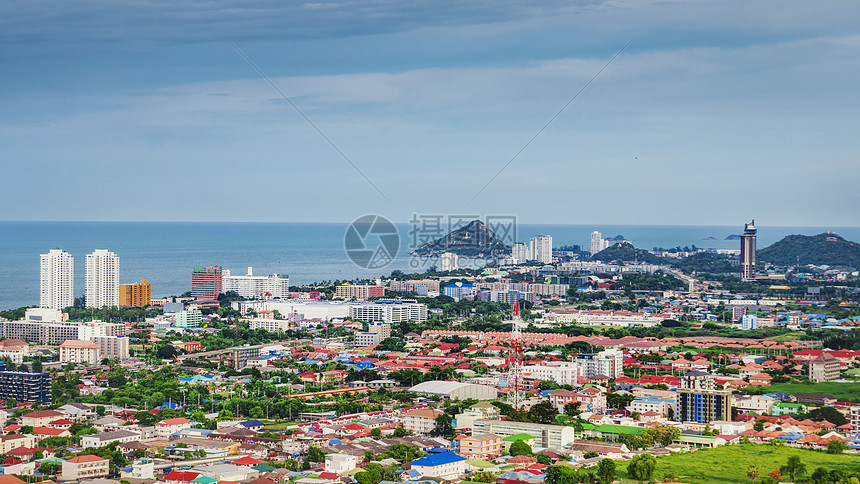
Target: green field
[(842, 391), (729, 463)]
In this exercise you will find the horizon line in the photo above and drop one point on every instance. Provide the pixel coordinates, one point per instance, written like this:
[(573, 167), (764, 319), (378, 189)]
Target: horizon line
[(407, 223)]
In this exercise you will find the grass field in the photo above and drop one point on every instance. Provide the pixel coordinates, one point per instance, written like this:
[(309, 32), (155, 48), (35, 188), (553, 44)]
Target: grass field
[(842, 391), (729, 463)]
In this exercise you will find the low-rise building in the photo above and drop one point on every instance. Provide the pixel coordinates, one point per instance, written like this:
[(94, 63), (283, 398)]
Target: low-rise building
[(340, 463), (590, 399), (165, 428), (85, 467), (824, 368), (422, 421), (484, 447), (104, 438), (40, 418), (549, 436), (444, 465), (79, 351)]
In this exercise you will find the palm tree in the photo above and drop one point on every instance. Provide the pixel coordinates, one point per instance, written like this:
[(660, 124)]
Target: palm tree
[(752, 473)]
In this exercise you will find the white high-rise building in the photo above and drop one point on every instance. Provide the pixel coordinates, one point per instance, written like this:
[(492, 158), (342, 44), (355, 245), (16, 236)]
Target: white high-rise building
[(519, 252), (449, 261), (598, 243), (102, 279), (265, 287), (56, 279), (608, 362), (540, 249)]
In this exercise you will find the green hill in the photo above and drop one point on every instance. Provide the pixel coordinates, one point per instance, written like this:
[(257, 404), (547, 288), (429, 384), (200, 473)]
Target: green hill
[(625, 252), (827, 248)]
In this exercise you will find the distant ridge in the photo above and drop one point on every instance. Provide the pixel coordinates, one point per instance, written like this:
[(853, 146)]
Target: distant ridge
[(822, 249)]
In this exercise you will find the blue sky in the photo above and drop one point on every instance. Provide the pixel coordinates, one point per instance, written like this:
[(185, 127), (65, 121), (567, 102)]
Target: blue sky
[(718, 112)]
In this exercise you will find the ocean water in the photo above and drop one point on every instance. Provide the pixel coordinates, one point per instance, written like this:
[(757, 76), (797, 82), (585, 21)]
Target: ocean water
[(164, 253)]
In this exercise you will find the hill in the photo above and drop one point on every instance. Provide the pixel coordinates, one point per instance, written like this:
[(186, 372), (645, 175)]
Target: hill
[(472, 240), (827, 248), (625, 252)]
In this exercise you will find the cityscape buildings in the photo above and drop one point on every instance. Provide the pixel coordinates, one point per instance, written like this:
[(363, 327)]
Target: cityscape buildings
[(56, 279), (519, 252), (358, 292), (390, 311), (206, 282), (251, 286), (598, 243), (25, 387), (102, 279), (540, 249), (137, 295), (449, 261), (700, 401)]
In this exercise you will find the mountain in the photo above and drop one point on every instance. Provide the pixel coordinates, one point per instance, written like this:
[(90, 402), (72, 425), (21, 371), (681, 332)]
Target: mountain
[(625, 252), (617, 237), (827, 248), (733, 237), (472, 240)]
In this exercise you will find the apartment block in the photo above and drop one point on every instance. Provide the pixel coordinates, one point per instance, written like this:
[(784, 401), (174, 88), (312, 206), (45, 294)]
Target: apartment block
[(112, 347), (56, 279), (359, 292), (137, 295), (25, 387), (484, 446), (206, 282), (78, 351), (548, 436), (258, 287)]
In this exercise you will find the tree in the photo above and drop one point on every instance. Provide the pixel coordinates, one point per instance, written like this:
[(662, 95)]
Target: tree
[(826, 413), (315, 454), (606, 471), (375, 433), (49, 468), (368, 456), (660, 434), (561, 474), (543, 459), (520, 447), (794, 468), (543, 412), (752, 473), (166, 352), (590, 454), (444, 426), (572, 409), (400, 431), (642, 466), (836, 446)]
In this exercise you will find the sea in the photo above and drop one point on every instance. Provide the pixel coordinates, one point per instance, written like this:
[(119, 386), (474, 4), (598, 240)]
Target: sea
[(164, 253)]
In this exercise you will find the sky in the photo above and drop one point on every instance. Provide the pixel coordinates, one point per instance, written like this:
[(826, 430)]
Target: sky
[(716, 113)]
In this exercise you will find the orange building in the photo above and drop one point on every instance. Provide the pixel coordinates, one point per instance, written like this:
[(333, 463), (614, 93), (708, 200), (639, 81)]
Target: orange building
[(135, 295), (486, 446)]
